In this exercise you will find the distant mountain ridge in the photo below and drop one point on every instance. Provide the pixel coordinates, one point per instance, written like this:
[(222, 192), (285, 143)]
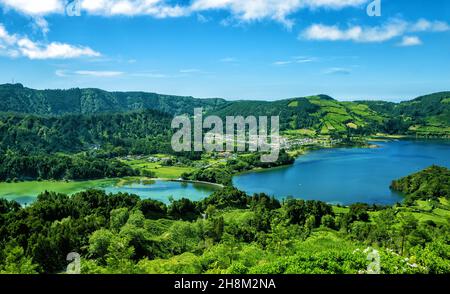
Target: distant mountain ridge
[(427, 115), (17, 98)]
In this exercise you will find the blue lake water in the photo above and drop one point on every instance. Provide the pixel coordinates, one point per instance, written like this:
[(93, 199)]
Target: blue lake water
[(348, 175)]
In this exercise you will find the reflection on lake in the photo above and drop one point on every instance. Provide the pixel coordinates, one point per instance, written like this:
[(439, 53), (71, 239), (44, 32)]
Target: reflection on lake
[(26, 192), (163, 190)]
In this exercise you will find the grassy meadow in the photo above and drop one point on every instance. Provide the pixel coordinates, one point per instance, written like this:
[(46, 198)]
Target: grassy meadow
[(33, 188), (163, 172)]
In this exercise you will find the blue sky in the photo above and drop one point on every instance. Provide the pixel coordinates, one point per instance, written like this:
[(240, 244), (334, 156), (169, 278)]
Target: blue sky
[(235, 49)]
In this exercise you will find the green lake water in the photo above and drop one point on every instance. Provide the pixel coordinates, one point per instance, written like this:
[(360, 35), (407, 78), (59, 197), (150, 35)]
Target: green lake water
[(26, 192)]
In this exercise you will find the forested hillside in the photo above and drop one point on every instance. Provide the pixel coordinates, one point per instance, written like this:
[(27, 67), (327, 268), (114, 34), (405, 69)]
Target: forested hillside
[(424, 116), (17, 98), (140, 132), (429, 184), (59, 167)]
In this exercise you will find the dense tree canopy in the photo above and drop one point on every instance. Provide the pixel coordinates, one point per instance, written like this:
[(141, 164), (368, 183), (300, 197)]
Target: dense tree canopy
[(141, 132), (429, 184), (58, 167), (228, 232)]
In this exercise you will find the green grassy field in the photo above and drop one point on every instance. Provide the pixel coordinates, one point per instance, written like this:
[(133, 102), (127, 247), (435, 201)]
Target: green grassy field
[(32, 189), (339, 116), (422, 210), (165, 172), (425, 211), (237, 216), (338, 210), (300, 133), (323, 239)]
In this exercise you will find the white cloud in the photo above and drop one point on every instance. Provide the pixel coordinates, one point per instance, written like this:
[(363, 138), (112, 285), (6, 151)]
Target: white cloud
[(252, 10), (15, 46), (99, 74), (356, 33), (280, 63), (278, 10), (5, 37), (41, 24), (334, 4), (35, 7), (155, 8), (337, 71), (295, 59), (61, 73), (88, 73), (190, 70), (53, 50), (390, 30), (203, 19), (408, 41), (241, 10), (228, 60), (151, 75), (302, 59), (423, 25)]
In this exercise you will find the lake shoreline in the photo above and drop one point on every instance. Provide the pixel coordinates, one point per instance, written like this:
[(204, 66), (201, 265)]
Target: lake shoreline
[(27, 189), (193, 182), (382, 139)]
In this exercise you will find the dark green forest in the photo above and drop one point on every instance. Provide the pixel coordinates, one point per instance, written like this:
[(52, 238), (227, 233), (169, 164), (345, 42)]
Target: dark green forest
[(115, 134), (429, 184), (60, 167), (17, 98), (224, 174)]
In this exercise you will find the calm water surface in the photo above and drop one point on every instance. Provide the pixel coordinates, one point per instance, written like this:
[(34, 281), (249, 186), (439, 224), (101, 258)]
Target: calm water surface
[(344, 176), (164, 190), (158, 190), (348, 175)]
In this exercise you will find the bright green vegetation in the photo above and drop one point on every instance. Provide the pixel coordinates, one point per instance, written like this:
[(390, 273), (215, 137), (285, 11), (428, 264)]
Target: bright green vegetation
[(340, 117), (299, 132), (238, 234), (159, 170), (431, 184), (427, 194), (426, 116), (293, 104), (223, 174), (318, 114), (14, 167)]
